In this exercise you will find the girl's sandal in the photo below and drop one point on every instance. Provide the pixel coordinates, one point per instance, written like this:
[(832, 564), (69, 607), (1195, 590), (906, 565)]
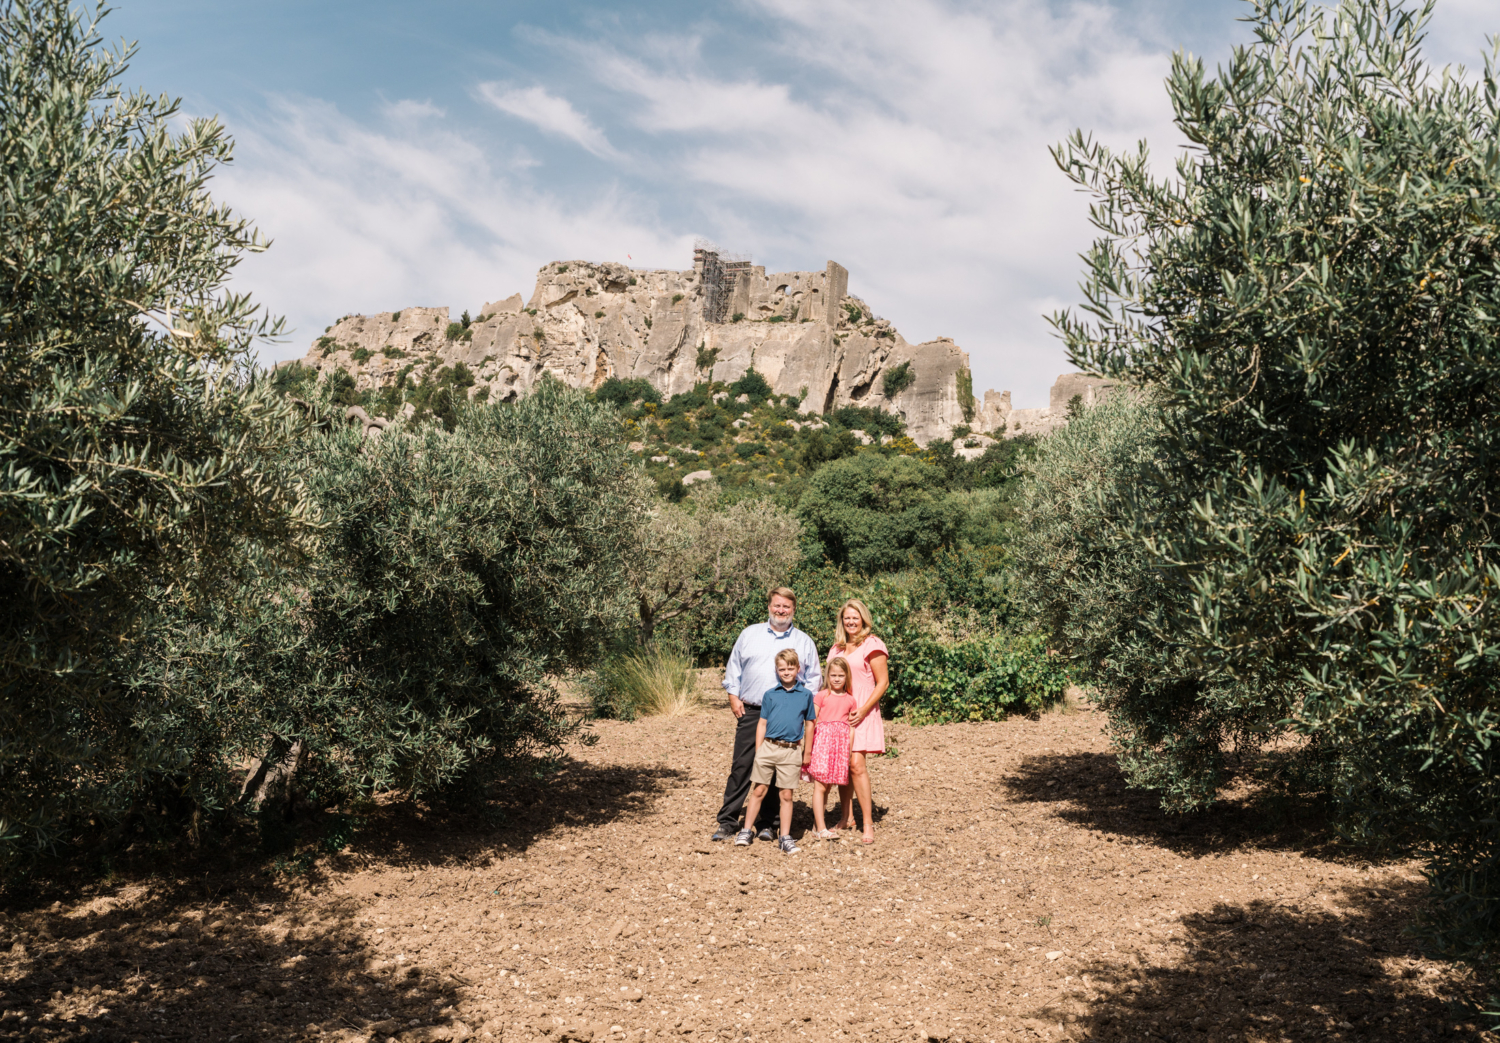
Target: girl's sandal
[(867, 840), (828, 834)]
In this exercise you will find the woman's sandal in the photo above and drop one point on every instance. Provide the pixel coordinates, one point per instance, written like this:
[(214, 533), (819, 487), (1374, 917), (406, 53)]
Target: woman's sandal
[(867, 840), (827, 834)]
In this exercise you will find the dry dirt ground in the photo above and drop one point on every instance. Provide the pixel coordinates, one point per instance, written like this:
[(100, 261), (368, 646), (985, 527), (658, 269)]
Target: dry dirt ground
[(1016, 891)]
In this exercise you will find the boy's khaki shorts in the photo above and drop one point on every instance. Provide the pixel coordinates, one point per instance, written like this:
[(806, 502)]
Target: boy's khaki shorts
[(777, 764)]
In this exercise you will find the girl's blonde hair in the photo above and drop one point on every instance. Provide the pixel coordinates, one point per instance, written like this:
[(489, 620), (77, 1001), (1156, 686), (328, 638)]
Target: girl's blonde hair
[(867, 623), (843, 664)]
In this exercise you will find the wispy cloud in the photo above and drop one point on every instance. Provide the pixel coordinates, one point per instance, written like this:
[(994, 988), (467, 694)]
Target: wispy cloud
[(908, 140), (370, 220), (549, 114)]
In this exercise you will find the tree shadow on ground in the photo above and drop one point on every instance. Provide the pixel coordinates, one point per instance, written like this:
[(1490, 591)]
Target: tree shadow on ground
[(1332, 964), (1089, 790), (168, 966), (522, 809), (216, 951)]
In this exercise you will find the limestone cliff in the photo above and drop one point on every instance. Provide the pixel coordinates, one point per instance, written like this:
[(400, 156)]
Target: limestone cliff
[(587, 322)]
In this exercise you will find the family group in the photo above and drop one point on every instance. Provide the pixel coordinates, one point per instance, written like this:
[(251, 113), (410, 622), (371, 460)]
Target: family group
[(786, 734)]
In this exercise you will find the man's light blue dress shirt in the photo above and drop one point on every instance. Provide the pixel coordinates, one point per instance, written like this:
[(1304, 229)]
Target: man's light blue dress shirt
[(752, 664)]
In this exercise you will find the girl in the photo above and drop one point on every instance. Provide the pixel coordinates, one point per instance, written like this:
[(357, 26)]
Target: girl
[(869, 677), (830, 748)]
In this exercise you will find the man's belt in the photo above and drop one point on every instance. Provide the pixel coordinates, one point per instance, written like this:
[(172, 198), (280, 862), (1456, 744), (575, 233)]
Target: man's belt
[(783, 745)]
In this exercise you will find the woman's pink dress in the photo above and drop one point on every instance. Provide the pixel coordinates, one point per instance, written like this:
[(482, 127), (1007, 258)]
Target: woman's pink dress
[(869, 737), (830, 749)]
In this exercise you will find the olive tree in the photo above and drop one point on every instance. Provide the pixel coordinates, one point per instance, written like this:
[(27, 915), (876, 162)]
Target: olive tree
[(703, 558), (132, 428), (1312, 297), (454, 573)]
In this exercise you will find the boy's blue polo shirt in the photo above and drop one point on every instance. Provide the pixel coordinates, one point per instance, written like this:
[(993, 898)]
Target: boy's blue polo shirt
[(785, 710)]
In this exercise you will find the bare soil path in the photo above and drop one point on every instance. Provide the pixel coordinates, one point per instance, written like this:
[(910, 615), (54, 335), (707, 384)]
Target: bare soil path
[(1017, 891)]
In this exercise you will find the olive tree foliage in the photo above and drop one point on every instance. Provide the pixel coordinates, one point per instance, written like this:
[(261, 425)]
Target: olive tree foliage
[(1313, 299), (131, 427), (703, 558), (1088, 579), (454, 573)]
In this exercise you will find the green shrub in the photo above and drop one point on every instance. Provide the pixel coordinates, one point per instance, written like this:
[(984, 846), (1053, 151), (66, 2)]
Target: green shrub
[(676, 297), (458, 331), (745, 450), (619, 392), (897, 379), (362, 354), (876, 513), (777, 318), (706, 358), (392, 352), (985, 679), (395, 316), (753, 384), (966, 403), (871, 421), (738, 317), (598, 315)]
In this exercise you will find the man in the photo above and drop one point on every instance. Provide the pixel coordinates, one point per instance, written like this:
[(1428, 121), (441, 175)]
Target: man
[(750, 674)]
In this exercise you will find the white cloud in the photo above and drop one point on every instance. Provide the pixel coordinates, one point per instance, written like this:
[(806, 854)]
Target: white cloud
[(408, 110), (910, 142), (367, 220), (548, 113)]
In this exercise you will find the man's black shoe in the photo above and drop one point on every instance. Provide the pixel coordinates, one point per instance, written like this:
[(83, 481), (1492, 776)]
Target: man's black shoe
[(723, 833), (766, 834)]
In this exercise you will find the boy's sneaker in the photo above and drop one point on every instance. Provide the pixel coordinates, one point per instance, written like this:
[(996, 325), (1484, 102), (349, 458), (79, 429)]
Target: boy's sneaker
[(789, 846), (766, 835), (743, 838)]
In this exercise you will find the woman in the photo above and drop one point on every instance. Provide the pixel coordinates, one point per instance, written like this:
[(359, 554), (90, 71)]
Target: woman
[(869, 679)]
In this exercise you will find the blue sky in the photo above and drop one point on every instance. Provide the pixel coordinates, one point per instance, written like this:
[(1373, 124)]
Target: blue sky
[(440, 152)]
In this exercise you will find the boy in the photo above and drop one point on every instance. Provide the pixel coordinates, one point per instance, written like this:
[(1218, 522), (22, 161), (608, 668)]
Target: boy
[(786, 719)]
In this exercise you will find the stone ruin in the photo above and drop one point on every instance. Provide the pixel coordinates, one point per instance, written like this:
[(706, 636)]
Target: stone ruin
[(586, 322)]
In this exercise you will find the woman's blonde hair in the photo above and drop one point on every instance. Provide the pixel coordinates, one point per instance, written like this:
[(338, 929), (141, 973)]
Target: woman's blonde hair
[(843, 664), (867, 623)]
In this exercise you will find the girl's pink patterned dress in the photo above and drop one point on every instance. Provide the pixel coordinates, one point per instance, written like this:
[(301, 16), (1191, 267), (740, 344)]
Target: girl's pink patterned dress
[(830, 749)]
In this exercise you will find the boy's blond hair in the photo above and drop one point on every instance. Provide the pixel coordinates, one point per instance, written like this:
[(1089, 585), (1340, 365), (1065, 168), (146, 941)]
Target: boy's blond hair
[(786, 655)]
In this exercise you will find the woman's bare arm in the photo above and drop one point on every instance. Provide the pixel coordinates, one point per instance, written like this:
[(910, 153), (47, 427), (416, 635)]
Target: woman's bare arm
[(880, 668)]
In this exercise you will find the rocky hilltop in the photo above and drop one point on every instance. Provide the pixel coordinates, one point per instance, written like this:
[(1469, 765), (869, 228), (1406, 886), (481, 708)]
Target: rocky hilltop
[(587, 322)]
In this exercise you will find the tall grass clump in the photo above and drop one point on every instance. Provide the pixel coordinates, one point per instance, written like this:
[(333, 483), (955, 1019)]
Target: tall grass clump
[(650, 681)]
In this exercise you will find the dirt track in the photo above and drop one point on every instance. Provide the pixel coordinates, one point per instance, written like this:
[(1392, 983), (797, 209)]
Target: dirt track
[(1016, 891)]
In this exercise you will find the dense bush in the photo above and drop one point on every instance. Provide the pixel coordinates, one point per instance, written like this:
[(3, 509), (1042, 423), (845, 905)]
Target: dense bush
[(752, 384), (897, 379), (877, 513), (454, 573), (619, 392), (987, 678), (1312, 298), (132, 428)]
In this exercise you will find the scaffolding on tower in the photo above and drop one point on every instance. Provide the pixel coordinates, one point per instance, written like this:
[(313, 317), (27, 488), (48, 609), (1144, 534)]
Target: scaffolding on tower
[(719, 273)]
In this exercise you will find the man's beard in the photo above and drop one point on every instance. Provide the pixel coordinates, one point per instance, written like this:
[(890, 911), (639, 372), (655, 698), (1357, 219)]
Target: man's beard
[(781, 621)]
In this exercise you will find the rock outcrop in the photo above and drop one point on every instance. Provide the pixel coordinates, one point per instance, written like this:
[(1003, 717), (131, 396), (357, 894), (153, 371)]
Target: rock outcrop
[(587, 322)]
